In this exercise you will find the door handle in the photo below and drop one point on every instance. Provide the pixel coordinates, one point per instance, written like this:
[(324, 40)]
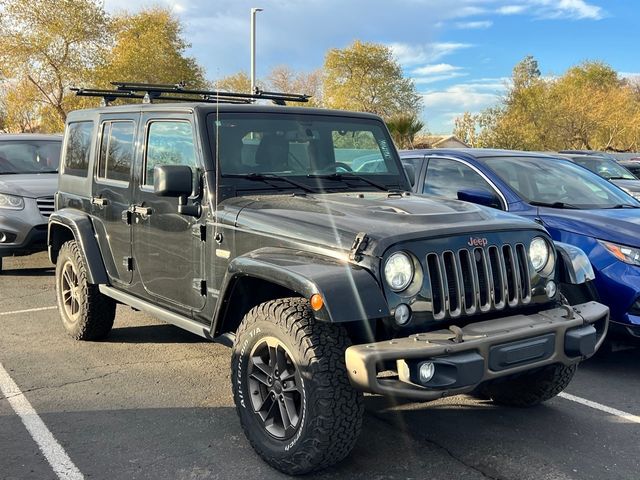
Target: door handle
[(101, 202), (140, 210)]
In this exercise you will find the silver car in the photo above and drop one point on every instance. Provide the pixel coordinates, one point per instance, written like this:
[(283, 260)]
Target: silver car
[(28, 182)]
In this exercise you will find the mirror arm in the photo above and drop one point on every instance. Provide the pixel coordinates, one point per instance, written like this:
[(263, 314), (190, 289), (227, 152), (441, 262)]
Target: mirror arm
[(185, 209)]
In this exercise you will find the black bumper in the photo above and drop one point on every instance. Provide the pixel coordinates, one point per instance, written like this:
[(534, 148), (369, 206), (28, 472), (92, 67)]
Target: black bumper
[(479, 352)]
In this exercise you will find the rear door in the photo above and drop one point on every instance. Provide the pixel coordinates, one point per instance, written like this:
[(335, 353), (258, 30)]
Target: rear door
[(168, 251), (112, 189)]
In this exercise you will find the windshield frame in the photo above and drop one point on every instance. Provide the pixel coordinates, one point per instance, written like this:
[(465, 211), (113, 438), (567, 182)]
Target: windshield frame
[(530, 165), (40, 143), (319, 183)]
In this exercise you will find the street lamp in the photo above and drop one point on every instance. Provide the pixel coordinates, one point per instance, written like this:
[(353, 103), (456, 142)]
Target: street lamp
[(253, 48)]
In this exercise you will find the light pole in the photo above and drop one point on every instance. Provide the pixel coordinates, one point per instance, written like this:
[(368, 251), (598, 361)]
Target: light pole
[(253, 48)]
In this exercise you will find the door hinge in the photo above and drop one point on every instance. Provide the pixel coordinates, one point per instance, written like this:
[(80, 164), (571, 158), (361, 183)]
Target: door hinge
[(200, 285), (199, 231), (128, 263)]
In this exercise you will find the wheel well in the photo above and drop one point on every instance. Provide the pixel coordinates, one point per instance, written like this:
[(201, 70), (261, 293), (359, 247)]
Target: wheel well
[(247, 292), (244, 294), (58, 235)]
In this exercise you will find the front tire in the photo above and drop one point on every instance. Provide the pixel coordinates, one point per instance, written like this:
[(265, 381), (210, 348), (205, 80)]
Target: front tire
[(291, 389), (530, 389), (86, 313)]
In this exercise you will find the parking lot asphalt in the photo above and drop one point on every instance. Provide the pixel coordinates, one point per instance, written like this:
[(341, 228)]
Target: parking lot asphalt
[(155, 402)]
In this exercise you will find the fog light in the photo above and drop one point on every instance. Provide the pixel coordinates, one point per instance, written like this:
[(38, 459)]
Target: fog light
[(402, 314), (426, 371), (551, 289)]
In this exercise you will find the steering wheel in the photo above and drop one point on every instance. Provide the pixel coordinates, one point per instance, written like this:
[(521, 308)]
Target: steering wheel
[(343, 166)]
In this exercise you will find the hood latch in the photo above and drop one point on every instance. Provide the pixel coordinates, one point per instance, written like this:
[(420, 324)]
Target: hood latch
[(358, 246)]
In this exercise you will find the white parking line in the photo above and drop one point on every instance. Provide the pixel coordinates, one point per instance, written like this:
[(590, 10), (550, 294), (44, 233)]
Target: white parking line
[(27, 310), (50, 448), (603, 408)]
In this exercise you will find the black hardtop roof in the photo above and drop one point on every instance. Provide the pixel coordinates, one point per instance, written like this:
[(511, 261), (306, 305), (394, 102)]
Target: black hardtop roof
[(12, 137), (205, 108)]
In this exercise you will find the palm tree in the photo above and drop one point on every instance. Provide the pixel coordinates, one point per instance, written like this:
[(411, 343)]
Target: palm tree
[(404, 128)]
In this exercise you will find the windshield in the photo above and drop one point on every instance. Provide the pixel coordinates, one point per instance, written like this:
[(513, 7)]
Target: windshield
[(633, 168), (604, 167), (316, 151), (558, 183), (29, 156)]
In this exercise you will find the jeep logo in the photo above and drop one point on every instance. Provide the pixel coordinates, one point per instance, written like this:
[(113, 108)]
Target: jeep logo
[(477, 242)]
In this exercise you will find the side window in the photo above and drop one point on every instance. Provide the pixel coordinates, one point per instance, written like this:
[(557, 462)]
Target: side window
[(116, 151), (412, 166), (78, 148), (446, 177), (168, 143)]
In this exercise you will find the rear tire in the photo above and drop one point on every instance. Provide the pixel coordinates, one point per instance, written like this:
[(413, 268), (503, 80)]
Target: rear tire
[(327, 411), (86, 313), (530, 389)]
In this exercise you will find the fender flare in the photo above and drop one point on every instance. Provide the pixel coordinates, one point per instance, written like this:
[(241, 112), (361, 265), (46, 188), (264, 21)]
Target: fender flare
[(82, 230), (575, 267), (350, 292)]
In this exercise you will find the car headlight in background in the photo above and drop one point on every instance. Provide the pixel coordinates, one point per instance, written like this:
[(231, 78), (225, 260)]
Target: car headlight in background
[(539, 253), (11, 202), (398, 271), (622, 252)]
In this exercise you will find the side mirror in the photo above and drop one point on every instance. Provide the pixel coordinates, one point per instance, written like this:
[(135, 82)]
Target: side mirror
[(411, 173), (480, 196), (176, 181)]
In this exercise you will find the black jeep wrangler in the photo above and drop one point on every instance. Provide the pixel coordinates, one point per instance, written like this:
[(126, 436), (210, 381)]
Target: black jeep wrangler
[(290, 234)]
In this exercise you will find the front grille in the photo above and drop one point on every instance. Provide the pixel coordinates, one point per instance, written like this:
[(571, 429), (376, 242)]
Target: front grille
[(45, 205), (478, 280)]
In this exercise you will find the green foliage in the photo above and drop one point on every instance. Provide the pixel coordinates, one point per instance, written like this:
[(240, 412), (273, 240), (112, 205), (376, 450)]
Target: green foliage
[(588, 107), (365, 77), (403, 129), (284, 79)]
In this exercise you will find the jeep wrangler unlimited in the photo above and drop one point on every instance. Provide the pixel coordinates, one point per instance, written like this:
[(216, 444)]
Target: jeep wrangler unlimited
[(290, 234)]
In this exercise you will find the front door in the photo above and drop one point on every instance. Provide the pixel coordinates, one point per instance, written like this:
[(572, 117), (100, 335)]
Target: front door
[(112, 193), (167, 249)]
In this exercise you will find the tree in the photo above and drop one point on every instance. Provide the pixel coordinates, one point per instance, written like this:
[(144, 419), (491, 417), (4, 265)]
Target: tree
[(403, 129), (366, 77), (465, 128), (237, 82), (51, 45), (525, 72), (283, 79), (149, 47)]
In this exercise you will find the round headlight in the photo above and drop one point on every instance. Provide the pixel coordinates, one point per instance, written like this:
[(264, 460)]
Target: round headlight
[(398, 271), (539, 253)]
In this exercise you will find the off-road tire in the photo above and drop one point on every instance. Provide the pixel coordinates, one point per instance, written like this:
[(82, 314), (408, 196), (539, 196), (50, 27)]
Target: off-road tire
[(530, 389), (96, 311), (332, 409)]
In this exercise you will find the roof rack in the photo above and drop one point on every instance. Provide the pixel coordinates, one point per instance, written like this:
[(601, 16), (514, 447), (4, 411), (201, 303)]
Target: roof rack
[(149, 92)]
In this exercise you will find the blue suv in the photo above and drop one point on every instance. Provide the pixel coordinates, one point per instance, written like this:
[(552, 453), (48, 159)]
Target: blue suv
[(575, 205)]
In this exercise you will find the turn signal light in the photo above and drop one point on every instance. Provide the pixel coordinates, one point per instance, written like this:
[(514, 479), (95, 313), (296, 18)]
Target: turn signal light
[(316, 302)]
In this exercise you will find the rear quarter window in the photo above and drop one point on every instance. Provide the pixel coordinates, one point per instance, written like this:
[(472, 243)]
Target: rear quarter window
[(78, 147)]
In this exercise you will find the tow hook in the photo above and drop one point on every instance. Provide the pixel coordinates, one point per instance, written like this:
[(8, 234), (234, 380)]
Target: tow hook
[(566, 306)]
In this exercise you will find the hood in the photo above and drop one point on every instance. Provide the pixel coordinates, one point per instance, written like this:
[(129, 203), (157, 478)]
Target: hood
[(629, 185), (30, 185), (614, 225), (335, 219)]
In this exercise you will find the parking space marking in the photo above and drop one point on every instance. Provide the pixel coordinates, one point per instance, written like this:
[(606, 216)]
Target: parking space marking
[(50, 448), (15, 312), (598, 406)]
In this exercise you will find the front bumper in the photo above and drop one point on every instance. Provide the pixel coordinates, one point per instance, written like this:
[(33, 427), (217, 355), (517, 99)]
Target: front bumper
[(22, 232), (478, 352)]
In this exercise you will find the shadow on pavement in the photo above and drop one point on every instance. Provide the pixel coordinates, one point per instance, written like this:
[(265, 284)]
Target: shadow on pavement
[(163, 333), (28, 272)]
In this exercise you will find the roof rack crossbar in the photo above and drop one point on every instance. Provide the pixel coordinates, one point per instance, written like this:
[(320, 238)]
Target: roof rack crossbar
[(109, 96)]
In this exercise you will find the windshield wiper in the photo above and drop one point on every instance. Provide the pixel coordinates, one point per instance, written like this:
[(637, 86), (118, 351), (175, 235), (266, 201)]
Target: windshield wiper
[(624, 205), (555, 205), (344, 176), (620, 178), (265, 177)]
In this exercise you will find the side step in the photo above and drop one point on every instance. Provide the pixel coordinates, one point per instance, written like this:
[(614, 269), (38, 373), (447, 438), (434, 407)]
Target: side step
[(158, 312)]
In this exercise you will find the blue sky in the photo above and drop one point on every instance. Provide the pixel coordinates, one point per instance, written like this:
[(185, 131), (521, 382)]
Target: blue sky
[(459, 52)]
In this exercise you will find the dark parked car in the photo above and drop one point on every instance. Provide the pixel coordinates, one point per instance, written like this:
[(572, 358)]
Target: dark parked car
[(633, 165), (28, 181), (575, 205), (289, 233), (609, 169)]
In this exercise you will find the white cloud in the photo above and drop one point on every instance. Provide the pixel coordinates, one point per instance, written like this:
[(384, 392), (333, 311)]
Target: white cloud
[(511, 9), (415, 54), (438, 68), (567, 9), (474, 25)]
